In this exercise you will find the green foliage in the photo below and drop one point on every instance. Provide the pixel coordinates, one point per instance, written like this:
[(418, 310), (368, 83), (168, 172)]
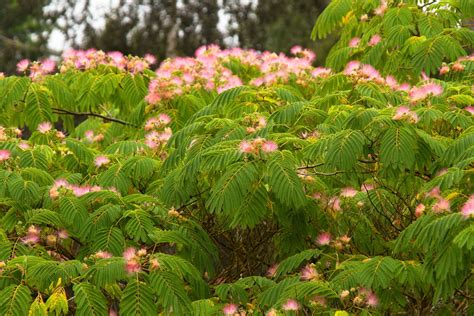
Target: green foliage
[(415, 36), (355, 194)]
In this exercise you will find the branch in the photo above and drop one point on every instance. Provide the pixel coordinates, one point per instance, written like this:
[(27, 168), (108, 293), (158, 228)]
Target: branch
[(105, 118), (25, 46)]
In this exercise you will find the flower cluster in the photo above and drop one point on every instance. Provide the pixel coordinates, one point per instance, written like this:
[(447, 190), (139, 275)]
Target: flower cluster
[(208, 70), (158, 134), (404, 113), (33, 236), (36, 69), (254, 146), (363, 297), (132, 259), (92, 58), (62, 186)]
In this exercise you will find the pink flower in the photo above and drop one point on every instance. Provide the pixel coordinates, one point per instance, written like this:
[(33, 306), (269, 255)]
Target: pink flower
[(468, 208), (296, 49), (351, 67), (309, 273), (101, 160), (435, 192), (4, 154), (63, 234), (367, 187), (132, 266), (419, 210), (22, 66), (433, 88), (47, 66), (458, 67), (149, 58), (229, 309), (404, 112), (102, 255), (33, 235), (129, 253), (164, 118), (470, 109), (272, 270), (372, 299), (291, 305), (354, 42), (441, 206), (246, 147), (335, 203), (44, 127), (348, 192), (324, 238), (444, 70), (271, 312), (321, 72), (269, 146), (374, 40), (400, 112), (24, 145), (380, 10)]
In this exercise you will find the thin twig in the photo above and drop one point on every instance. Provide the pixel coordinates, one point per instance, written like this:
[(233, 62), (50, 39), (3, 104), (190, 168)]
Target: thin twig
[(106, 118)]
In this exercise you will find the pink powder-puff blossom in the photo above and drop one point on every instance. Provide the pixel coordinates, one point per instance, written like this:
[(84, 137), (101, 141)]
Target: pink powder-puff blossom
[(433, 88), (246, 147), (63, 234), (441, 205), (165, 119), (321, 72), (458, 67), (47, 66), (470, 109), (420, 209), (351, 67), (374, 40), (101, 161), (372, 299), (354, 42), (309, 273), (380, 10), (401, 112), (272, 270), (4, 154), (129, 253), (44, 127), (22, 65), (467, 210), (271, 312), (348, 192), (335, 203), (269, 146), (444, 70), (291, 305), (102, 255), (296, 49), (229, 309), (324, 239), (132, 266), (434, 192), (149, 58)]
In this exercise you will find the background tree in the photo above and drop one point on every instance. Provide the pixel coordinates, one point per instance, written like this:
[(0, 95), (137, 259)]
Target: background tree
[(163, 27), (25, 27), (276, 25)]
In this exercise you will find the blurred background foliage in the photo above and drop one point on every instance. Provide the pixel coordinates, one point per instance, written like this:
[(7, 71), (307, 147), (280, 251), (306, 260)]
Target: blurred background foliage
[(164, 28)]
